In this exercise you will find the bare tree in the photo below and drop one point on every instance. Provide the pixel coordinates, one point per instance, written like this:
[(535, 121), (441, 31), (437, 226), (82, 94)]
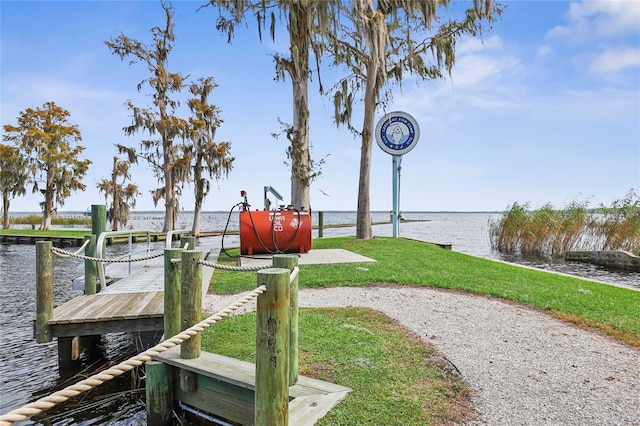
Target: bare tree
[(209, 157)]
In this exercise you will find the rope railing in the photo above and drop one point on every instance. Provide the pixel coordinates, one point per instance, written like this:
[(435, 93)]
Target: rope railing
[(66, 254), (63, 395)]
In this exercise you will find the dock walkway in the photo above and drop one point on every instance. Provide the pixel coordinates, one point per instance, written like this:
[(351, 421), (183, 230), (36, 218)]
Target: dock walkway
[(130, 304)]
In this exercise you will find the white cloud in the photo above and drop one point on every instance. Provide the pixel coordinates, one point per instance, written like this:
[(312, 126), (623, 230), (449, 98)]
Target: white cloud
[(591, 19), (475, 44), (474, 70), (614, 60), (544, 51), (609, 17)]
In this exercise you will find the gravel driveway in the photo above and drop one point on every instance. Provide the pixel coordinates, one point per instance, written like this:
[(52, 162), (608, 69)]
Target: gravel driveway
[(524, 368)]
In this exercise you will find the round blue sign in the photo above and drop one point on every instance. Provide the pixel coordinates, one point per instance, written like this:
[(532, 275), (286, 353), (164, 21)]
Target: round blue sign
[(397, 133)]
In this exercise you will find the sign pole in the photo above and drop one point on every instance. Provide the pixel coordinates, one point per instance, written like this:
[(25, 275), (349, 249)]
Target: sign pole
[(396, 196), (397, 133)]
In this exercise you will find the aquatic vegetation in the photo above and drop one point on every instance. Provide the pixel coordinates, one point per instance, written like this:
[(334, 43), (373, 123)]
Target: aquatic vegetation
[(551, 232)]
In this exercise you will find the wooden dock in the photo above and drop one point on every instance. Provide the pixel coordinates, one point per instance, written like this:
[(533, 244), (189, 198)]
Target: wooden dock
[(132, 303)]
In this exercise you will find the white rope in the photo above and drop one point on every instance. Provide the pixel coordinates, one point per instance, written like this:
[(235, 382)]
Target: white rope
[(74, 253), (60, 396), (64, 253), (232, 268)]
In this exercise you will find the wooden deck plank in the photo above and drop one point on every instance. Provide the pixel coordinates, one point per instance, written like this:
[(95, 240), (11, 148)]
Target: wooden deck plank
[(127, 306), (154, 307), (136, 297), (309, 399), (85, 306), (69, 308)]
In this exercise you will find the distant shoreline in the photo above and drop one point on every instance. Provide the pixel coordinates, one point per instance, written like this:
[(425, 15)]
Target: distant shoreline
[(161, 212)]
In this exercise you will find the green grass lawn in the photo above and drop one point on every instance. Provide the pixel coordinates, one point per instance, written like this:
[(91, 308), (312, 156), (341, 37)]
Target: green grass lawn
[(396, 378), (605, 308)]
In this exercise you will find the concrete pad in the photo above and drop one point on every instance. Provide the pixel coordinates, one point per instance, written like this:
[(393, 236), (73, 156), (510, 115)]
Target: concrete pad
[(313, 257)]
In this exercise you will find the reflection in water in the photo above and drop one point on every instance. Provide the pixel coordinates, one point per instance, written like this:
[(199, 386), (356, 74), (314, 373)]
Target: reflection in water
[(29, 370)]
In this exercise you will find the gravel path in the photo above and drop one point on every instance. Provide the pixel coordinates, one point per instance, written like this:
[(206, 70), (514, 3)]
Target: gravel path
[(525, 368)]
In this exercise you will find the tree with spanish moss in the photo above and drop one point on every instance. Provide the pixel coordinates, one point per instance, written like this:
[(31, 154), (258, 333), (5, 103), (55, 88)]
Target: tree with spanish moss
[(123, 195), (164, 151), (209, 157), (49, 143), (303, 18), (14, 177), (379, 45)]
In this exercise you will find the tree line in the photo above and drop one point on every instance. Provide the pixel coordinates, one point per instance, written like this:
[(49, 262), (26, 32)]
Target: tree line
[(376, 44)]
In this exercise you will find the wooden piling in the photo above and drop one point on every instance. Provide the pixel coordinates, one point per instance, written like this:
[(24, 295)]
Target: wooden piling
[(98, 219), (44, 291), (172, 276), (272, 360), (90, 266), (186, 239), (320, 224), (289, 261), (191, 308), (191, 301), (159, 394)]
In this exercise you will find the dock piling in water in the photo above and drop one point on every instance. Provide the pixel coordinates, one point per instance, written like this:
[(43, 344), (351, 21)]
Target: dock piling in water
[(44, 291), (172, 276), (90, 266)]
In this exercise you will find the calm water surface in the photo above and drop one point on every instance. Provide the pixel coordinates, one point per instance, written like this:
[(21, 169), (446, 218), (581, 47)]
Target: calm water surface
[(29, 371)]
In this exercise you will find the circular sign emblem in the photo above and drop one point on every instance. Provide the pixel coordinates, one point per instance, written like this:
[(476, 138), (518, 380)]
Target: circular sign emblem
[(397, 133)]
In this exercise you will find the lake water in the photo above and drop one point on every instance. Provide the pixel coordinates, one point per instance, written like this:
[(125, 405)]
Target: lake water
[(29, 371)]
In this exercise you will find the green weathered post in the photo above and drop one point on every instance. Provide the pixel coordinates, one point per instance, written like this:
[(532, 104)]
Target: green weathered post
[(320, 224), (188, 239), (98, 219), (272, 360), (44, 291), (191, 308), (98, 226), (289, 261), (159, 394), (172, 276), (90, 267)]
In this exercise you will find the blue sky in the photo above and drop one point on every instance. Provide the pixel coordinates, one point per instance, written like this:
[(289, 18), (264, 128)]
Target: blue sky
[(544, 109)]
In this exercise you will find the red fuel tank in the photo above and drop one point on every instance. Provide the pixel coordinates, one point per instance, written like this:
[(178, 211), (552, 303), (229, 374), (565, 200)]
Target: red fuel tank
[(275, 231)]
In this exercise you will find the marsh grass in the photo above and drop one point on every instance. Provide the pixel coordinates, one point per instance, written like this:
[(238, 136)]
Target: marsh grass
[(36, 220), (548, 232)]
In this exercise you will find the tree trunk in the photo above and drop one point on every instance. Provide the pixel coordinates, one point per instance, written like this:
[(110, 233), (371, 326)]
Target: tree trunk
[(47, 207), (5, 209), (169, 194), (363, 217), (299, 71), (117, 194), (195, 230)]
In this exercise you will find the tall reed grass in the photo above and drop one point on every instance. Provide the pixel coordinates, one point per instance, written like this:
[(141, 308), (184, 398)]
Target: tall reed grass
[(34, 219), (550, 232)]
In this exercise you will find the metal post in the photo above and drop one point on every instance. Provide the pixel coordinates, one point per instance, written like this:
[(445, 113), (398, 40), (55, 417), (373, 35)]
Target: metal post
[(320, 224), (396, 195)]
